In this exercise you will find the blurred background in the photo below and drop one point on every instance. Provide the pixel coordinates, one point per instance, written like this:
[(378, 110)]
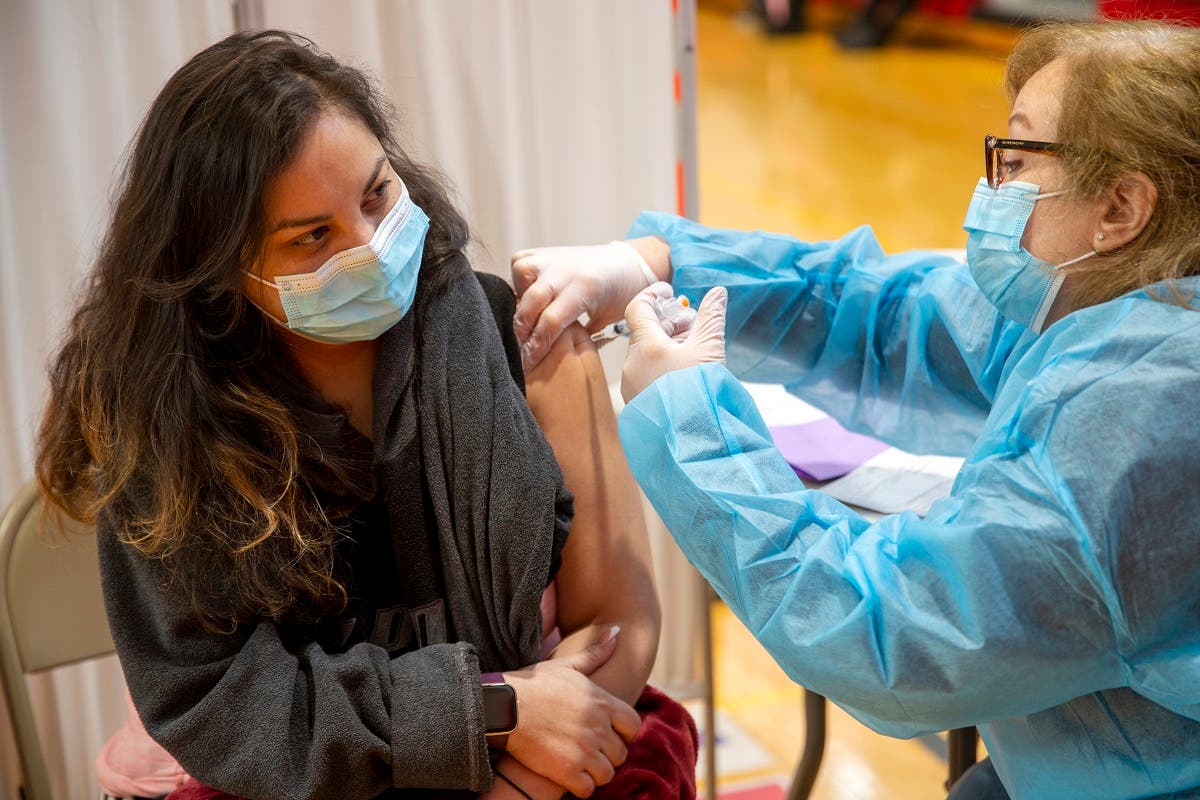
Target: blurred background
[(556, 122)]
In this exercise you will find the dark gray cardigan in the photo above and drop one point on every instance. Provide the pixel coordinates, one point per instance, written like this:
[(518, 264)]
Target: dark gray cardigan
[(258, 715)]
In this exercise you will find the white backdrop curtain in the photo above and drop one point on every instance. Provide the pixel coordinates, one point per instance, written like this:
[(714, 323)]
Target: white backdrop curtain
[(553, 120), (75, 79)]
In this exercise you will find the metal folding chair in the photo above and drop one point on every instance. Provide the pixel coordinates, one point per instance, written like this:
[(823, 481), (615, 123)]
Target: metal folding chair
[(51, 615), (962, 749)]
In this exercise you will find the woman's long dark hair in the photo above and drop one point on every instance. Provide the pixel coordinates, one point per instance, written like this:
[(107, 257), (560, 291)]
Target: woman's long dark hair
[(165, 418)]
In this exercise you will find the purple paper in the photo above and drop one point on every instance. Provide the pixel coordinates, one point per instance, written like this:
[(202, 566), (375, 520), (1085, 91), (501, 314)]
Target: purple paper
[(824, 450)]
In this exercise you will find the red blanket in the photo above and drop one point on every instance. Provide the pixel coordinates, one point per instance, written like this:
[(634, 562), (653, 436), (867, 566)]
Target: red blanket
[(661, 763), (662, 759)]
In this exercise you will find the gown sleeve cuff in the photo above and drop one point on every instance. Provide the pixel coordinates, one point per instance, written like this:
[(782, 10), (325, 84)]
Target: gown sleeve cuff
[(668, 227), (706, 401), (672, 397)]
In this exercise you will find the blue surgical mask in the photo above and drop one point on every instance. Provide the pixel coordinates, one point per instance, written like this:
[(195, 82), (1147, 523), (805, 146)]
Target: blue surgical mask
[(359, 293), (1019, 284)]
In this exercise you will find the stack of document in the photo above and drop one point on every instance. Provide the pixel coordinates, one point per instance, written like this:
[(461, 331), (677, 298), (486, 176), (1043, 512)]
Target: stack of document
[(850, 467)]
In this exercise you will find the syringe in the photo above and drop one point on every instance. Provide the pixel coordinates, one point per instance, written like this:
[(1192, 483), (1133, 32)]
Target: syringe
[(673, 314)]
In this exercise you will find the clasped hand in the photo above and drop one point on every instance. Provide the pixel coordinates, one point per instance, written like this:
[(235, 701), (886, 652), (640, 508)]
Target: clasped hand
[(569, 730)]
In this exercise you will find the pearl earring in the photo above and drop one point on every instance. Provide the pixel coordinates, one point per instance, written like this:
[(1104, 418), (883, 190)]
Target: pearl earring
[(1099, 236)]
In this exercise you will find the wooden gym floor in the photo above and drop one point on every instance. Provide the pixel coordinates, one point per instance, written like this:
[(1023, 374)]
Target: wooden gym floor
[(797, 136)]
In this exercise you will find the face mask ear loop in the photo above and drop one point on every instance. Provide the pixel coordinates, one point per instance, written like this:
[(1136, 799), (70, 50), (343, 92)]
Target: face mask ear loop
[(1077, 260), (1048, 195), (265, 313), (260, 280)]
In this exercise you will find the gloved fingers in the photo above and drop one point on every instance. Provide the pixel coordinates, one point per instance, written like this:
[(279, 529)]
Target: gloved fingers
[(552, 320), (710, 318), (531, 302), (707, 339), (526, 267), (684, 321), (652, 353), (640, 314), (661, 289)]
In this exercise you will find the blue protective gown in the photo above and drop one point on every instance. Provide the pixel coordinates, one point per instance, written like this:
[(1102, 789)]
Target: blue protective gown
[(1053, 599)]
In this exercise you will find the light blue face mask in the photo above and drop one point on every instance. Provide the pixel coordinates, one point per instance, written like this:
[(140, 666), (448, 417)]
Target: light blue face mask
[(359, 293), (1019, 284)]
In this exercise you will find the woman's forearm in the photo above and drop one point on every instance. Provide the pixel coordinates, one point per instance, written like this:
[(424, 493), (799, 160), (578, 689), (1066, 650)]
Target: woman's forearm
[(625, 674)]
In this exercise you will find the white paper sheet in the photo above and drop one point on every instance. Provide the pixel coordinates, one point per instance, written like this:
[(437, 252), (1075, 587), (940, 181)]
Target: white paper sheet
[(896, 481), (778, 406)]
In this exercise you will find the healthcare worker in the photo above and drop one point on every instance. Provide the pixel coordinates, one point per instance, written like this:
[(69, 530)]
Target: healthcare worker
[(1054, 598)]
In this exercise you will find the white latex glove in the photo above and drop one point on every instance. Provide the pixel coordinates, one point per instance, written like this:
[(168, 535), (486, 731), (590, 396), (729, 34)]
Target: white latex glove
[(653, 354), (558, 284)]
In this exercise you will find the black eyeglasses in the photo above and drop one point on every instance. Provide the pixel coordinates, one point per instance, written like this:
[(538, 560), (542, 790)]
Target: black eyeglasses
[(993, 154)]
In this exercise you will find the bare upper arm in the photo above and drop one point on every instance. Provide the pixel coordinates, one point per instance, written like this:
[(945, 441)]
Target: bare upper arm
[(606, 572)]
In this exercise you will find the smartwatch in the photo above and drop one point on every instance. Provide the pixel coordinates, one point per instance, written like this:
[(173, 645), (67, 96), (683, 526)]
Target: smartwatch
[(499, 709)]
